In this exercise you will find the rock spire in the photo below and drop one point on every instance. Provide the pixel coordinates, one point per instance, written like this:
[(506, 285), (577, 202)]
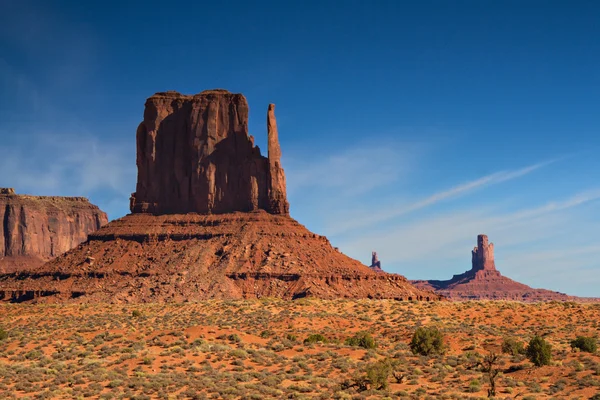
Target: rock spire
[(375, 263), (278, 203), (482, 256)]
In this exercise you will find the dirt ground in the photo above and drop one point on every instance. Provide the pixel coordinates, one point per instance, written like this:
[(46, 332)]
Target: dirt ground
[(255, 350)]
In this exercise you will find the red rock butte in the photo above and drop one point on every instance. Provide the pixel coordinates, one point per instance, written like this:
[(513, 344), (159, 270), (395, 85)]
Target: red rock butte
[(194, 154), (210, 219), (35, 229), (484, 281)]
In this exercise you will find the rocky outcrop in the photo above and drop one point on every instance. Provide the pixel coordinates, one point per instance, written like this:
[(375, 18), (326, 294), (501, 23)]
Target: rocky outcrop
[(194, 154), (210, 220), (375, 263), (484, 281), (36, 229), (482, 256)]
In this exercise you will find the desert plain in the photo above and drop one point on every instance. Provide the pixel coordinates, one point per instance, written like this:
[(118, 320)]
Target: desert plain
[(258, 349)]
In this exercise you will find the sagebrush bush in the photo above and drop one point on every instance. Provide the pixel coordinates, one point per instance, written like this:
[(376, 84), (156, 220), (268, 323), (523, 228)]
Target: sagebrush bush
[(378, 374), (362, 339), (539, 351), (513, 347), (315, 338), (3, 334), (583, 343), (427, 341)]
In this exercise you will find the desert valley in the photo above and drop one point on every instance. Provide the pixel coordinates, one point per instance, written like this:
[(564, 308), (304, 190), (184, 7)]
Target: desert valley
[(208, 289)]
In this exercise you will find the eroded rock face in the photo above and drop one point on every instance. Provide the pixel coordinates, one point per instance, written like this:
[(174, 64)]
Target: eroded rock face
[(484, 281), (482, 256), (36, 229), (194, 154)]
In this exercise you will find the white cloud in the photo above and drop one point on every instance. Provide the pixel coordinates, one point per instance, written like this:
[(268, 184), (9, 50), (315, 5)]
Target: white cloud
[(70, 165), (369, 217), (450, 234), (354, 171)]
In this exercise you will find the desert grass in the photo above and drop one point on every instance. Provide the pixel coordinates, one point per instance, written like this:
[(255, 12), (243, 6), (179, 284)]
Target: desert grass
[(258, 350)]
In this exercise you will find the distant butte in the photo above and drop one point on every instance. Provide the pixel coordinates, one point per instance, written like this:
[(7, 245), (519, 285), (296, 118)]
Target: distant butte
[(484, 281), (36, 229), (209, 219)]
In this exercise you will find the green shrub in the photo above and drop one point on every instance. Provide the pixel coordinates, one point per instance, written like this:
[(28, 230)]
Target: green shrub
[(3, 334), (513, 347), (539, 351), (266, 333), (378, 374), (474, 386), (362, 339), (315, 338), (587, 344), (291, 337), (427, 341), (136, 313), (234, 337)]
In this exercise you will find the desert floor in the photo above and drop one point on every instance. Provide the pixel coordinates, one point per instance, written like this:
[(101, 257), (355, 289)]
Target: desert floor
[(255, 350)]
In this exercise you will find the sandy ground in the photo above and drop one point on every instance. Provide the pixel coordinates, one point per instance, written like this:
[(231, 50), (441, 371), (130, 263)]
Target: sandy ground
[(256, 350)]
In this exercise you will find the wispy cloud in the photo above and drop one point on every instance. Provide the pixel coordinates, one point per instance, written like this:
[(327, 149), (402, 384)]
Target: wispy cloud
[(385, 214), (70, 165), (441, 233), (353, 171)]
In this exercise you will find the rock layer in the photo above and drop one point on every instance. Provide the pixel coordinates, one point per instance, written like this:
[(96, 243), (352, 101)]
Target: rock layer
[(484, 281), (194, 154), (187, 257), (36, 229)]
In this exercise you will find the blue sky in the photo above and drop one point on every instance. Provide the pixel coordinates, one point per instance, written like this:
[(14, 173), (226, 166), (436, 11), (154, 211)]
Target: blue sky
[(406, 127)]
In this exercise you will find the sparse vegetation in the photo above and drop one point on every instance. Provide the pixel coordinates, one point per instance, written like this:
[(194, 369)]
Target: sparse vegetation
[(3, 334), (490, 365), (362, 339), (315, 338), (539, 351), (254, 350), (427, 341), (587, 344), (378, 374), (513, 347)]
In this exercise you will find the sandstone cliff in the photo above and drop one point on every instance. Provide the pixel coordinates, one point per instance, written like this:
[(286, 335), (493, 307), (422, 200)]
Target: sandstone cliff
[(36, 229)]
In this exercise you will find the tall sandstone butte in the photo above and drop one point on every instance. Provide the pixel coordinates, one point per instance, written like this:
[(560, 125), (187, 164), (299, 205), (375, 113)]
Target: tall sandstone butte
[(194, 154), (210, 219), (36, 229), (484, 281)]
